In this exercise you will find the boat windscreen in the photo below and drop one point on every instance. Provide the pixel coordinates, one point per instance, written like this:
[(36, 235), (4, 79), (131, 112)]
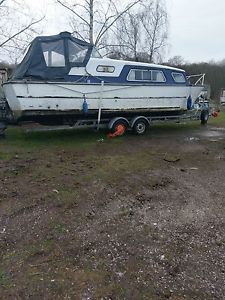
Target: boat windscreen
[(77, 53)]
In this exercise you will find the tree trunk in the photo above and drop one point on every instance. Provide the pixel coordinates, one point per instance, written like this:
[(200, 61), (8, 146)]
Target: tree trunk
[(91, 29)]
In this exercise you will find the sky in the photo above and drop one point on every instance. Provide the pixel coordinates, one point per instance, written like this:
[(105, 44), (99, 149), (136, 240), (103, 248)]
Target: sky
[(196, 27)]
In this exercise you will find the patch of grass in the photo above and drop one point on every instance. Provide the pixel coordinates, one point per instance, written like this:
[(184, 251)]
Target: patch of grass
[(19, 139), (67, 198), (172, 126), (113, 168), (218, 121), (17, 258), (5, 155), (60, 228), (5, 280)]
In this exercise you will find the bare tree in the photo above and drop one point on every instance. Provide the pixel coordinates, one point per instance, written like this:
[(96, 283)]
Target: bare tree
[(176, 60), (95, 18), (128, 33), (141, 33), (155, 24), (17, 28)]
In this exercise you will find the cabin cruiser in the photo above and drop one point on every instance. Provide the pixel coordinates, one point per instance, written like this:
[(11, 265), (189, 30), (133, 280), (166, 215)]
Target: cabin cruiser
[(62, 79)]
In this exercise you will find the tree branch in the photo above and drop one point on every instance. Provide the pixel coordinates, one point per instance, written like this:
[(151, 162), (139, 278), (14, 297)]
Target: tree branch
[(113, 22), (2, 1), (77, 33), (21, 31), (71, 10)]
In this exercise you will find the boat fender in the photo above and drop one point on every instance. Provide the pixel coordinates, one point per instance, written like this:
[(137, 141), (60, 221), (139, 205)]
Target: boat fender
[(189, 103), (85, 106)]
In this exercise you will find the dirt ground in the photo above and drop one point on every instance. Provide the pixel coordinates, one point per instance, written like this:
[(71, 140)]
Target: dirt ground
[(83, 217)]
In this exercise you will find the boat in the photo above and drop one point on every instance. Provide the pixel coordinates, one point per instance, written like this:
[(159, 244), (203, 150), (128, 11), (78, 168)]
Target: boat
[(63, 79)]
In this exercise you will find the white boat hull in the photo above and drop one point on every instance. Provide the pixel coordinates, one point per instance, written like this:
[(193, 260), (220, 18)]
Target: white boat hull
[(33, 97)]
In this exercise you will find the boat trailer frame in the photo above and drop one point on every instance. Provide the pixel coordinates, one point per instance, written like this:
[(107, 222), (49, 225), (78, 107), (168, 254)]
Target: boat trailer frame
[(193, 115)]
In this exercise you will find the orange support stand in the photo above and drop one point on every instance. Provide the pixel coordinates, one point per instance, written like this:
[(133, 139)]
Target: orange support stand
[(119, 131)]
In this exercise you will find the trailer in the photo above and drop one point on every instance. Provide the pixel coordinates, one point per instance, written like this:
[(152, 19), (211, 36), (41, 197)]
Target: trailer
[(117, 125)]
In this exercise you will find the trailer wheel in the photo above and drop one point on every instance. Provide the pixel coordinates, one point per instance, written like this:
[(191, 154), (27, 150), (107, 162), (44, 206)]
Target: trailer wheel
[(204, 117), (140, 127), (119, 128)]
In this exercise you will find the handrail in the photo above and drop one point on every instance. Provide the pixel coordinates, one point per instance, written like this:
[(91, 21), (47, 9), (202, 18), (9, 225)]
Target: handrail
[(200, 78)]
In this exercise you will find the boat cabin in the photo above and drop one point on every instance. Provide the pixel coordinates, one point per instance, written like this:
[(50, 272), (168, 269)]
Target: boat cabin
[(65, 58)]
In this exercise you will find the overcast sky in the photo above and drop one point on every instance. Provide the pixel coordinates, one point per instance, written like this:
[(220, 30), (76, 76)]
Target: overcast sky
[(196, 27)]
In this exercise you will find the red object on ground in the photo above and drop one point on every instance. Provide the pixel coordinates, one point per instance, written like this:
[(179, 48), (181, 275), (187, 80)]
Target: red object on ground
[(215, 114), (119, 130)]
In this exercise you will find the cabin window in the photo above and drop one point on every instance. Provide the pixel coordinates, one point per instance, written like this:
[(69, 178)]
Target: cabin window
[(106, 69), (77, 53), (54, 54), (178, 77), (146, 75), (139, 75), (158, 76)]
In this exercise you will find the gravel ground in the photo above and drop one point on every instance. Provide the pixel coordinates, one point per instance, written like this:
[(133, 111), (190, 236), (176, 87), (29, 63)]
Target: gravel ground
[(132, 218)]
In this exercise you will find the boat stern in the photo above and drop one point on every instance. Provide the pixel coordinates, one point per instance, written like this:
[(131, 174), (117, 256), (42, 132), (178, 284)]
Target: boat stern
[(196, 85), (195, 91), (12, 100)]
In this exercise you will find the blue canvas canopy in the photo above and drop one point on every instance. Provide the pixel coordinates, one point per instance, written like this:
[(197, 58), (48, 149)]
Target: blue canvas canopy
[(52, 57)]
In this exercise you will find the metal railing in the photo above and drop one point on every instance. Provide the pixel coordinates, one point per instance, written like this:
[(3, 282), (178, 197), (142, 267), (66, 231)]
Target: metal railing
[(198, 79)]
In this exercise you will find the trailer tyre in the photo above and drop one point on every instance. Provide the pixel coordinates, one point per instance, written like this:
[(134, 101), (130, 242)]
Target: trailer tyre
[(204, 117), (140, 127)]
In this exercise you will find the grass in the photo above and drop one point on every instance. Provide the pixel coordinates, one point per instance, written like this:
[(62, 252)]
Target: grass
[(218, 121), (31, 140), (18, 141), (5, 280), (18, 137)]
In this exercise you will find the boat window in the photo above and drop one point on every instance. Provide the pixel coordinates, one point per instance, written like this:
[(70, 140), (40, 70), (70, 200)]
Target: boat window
[(146, 75), (158, 76), (139, 75), (106, 69), (178, 77), (77, 53), (54, 54)]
